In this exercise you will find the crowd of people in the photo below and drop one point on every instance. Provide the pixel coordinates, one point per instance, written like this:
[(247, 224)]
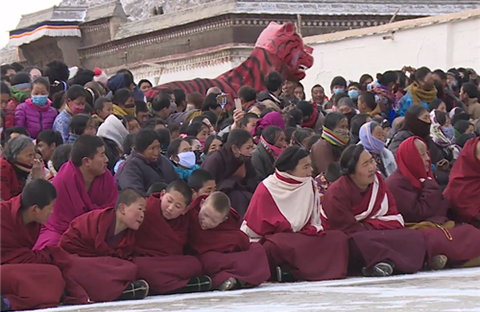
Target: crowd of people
[(107, 196)]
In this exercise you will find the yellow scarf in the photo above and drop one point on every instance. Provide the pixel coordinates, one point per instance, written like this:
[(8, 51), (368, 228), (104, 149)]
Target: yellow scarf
[(118, 111), (418, 95)]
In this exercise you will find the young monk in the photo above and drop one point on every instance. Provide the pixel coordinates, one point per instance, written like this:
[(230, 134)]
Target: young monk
[(32, 279), (284, 215), (223, 249), (104, 240), (202, 183), (160, 242), (464, 184), (360, 205), (83, 184), (422, 204)]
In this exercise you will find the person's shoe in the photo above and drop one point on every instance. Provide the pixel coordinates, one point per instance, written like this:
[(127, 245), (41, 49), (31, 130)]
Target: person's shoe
[(438, 262), (136, 290), (381, 269), (196, 284), (5, 304), (283, 276), (229, 284)]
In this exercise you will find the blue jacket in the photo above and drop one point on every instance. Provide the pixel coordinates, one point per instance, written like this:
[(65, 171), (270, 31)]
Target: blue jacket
[(404, 103), (62, 123)]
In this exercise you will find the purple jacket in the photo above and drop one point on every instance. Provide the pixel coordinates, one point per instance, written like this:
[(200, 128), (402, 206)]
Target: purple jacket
[(33, 118)]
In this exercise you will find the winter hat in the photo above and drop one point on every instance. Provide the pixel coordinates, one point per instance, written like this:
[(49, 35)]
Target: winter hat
[(100, 76)]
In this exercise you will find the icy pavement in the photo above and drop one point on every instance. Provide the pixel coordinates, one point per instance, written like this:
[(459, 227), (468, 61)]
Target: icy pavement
[(452, 290)]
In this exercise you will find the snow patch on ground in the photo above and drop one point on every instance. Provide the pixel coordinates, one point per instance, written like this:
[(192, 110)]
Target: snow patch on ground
[(450, 290)]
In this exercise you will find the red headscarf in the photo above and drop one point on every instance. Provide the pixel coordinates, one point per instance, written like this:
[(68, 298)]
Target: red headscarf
[(410, 163), (464, 183)]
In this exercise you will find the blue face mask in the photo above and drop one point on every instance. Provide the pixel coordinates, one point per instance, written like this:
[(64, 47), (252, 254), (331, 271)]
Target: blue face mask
[(449, 132), (338, 91), (353, 94), (40, 100)]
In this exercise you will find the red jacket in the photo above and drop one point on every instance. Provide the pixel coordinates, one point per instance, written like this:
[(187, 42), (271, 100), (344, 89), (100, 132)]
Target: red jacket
[(10, 185)]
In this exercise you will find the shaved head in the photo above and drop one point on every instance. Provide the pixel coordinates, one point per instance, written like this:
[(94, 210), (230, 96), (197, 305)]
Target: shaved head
[(214, 90)]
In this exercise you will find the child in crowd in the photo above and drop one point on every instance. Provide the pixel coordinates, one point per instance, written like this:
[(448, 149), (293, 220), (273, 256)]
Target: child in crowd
[(182, 157), (201, 182), (36, 114), (156, 188), (199, 130), (103, 108), (132, 124), (223, 249), (5, 96), (104, 241), (75, 104), (81, 124), (197, 148), (60, 156), (47, 141), (127, 149), (160, 244)]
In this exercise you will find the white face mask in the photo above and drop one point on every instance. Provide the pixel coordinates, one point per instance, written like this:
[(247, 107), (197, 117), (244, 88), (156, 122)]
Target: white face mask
[(187, 159)]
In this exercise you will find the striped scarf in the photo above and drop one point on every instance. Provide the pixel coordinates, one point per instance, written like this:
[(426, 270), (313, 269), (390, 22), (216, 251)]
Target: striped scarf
[(334, 138)]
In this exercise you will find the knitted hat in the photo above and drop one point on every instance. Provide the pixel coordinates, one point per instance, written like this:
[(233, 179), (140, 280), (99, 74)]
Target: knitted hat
[(100, 76)]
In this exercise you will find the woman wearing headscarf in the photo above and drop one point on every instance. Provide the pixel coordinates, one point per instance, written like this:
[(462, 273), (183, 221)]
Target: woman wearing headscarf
[(421, 202), (464, 184), (360, 205), (284, 215), (421, 92), (443, 135), (383, 88), (271, 145), (372, 138), (334, 139), (17, 166), (270, 119)]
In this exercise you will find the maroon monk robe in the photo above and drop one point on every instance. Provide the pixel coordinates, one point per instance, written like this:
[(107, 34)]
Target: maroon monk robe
[(31, 286), (103, 271), (159, 250), (421, 201), (17, 241), (225, 251), (375, 227), (292, 234), (464, 185)]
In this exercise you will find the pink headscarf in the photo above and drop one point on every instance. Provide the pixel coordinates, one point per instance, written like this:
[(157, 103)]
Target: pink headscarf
[(270, 119)]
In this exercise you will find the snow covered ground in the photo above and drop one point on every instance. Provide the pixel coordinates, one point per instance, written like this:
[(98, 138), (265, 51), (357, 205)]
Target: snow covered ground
[(451, 290)]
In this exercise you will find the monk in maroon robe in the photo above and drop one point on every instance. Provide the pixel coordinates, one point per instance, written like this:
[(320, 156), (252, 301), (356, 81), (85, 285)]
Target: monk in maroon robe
[(360, 205), (223, 249), (102, 242), (33, 279), (284, 215), (160, 243), (463, 188), (421, 202)]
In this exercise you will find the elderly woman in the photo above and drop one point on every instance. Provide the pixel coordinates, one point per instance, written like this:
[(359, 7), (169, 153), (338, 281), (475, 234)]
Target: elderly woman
[(17, 166)]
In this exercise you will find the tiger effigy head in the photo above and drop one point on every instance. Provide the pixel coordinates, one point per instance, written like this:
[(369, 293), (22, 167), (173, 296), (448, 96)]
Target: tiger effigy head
[(283, 42)]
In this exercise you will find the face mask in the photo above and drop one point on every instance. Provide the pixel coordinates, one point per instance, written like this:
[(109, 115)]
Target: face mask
[(449, 132), (130, 111), (187, 159), (244, 158), (203, 143), (40, 100), (376, 145), (344, 133), (353, 94), (198, 157), (338, 91), (77, 109)]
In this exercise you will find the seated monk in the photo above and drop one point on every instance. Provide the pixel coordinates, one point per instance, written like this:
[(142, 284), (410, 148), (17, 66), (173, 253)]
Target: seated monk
[(201, 182), (284, 215), (83, 184), (104, 241), (160, 242), (421, 202), (360, 205), (32, 279), (464, 184), (223, 249)]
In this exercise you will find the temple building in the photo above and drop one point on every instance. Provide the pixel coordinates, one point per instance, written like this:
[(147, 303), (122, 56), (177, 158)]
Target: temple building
[(189, 38)]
